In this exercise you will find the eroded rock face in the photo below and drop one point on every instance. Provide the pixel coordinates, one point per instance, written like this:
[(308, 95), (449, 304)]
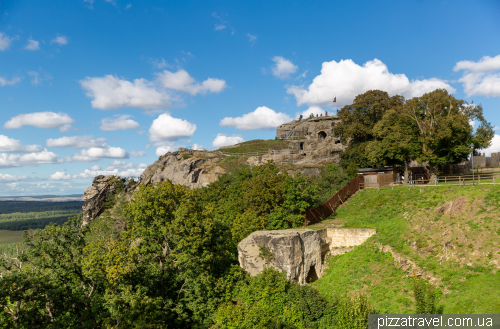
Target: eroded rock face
[(296, 252), (185, 167), (95, 196)]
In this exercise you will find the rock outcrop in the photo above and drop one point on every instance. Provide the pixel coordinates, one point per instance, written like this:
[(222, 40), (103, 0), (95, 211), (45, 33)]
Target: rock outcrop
[(96, 195), (186, 167), (295, 251), (298, 252)]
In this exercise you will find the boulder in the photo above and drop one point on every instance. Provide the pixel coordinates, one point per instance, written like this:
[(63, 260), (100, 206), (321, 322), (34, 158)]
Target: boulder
[(295, 251), (96, 195)]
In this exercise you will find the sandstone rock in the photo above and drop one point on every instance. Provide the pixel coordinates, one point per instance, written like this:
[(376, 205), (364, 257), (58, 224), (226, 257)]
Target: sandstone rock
[(295, 251), (95, 196), (186, 167)]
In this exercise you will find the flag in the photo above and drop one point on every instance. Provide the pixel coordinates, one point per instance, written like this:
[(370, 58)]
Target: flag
[(335, 99)]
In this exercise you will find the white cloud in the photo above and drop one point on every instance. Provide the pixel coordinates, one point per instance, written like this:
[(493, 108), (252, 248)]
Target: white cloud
[(38, 77), (481, 77), (283, 68), (47, 120), (224, 140), (167, 128), (121, 122), (219, 27), (130, 171), (13, 145), (165, 149), (5, 178), (97, 153), (76, 142), (137, 153), (128, 6), (30, 159), (4, 41), (262, 118), (252, 38), (182, 81), (59, 175), (197, 147), (32, 45), (60, 39), (485, 64), (111, 93), (4, 82), (346, 80), (312, 110)]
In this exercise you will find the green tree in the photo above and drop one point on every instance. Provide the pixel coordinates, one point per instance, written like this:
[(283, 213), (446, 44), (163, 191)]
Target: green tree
[(396, 141), (445, 133), (358, 122)]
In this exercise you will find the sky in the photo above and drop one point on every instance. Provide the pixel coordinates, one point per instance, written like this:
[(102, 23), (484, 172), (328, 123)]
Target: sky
[(98, 87)]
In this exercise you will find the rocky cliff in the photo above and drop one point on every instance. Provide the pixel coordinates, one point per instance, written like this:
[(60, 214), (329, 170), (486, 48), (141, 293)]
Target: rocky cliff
[(96, 195)]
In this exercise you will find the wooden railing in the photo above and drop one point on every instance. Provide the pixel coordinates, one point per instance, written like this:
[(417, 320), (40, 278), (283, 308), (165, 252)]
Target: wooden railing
[(321, 212)]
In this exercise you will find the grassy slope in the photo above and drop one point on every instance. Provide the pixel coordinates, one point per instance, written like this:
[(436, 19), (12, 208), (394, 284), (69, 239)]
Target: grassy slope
[(458, 248)]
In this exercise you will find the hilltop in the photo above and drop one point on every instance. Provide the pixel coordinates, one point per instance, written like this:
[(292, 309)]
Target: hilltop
[(449, 236)]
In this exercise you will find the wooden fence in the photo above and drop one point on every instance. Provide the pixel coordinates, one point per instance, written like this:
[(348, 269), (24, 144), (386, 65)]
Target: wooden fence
[(319, 213)]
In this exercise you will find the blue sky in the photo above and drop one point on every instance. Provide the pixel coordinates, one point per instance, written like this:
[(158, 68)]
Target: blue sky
[(105, 87)]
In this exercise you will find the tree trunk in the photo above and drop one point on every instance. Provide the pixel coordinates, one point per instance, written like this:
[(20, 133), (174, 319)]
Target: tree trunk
[(407, 179), (432, 173)]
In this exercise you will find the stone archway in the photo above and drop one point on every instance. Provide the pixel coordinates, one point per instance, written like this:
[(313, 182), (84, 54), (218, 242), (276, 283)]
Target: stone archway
[(321, 135)]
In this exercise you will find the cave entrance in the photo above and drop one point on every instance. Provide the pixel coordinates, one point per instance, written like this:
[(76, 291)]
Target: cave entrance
[(321, 135), (312, 275), (302, 145)]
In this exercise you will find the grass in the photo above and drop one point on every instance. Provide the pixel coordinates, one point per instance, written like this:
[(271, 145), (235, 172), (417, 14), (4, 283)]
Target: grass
[(450, 234), (257, 146), (10, 236)]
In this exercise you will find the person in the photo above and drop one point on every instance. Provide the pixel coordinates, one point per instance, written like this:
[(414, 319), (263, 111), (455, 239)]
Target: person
[(321, 115), (326, 113), (300, 118), (316, 115)]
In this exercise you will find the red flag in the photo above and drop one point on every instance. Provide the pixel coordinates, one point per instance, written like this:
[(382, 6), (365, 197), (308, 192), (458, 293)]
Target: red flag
[(335, 99)]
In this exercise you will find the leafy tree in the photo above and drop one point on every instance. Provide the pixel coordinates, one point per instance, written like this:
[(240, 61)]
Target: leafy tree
[(425, 297), (358, 122), (397, 141), (445, 134)]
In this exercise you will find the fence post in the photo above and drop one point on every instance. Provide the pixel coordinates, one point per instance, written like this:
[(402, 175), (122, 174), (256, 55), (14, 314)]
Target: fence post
[(478, 179), (493, 179), (445, 179)]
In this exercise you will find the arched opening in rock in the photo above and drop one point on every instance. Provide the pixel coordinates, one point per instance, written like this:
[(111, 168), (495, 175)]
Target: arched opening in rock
[(302, 145), (321, 135), (337, 141), (312, 275)]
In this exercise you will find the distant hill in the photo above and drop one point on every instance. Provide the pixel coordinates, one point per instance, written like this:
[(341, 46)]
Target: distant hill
[(46, 198)]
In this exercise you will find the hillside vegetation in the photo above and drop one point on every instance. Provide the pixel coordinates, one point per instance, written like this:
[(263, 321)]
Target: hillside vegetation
[(448, 235)]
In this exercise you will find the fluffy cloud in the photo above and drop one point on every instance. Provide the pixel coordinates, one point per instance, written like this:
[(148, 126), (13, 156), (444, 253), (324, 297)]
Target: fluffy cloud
[(111, 93), (197, 147), (165, 149), (13, 145), (4, 41), (182, 81), (30, 159), (4, 82), (252, 38), (76, 142), (6, 178), (312, 110), (59, 175), (346, 80), (481, 77), (224, 140), (60, 39), (137, 153), (121, 122), (262, 118), (32, 45), (167, 128), (48, 120), (219, 27), (134, 171), (97, 153), (282, 68)]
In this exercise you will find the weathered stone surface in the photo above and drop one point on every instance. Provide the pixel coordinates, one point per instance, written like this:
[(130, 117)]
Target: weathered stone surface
[(95, 196), (186, 167), (296, 252)]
